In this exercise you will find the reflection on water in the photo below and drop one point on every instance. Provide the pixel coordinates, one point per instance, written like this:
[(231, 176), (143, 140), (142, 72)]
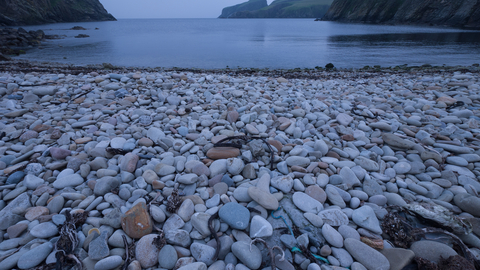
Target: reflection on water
[(272, 43), (460, 38)]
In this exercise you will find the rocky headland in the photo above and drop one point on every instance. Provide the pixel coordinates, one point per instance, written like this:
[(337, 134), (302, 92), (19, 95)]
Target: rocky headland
[(456, 13), (278, 9), (25, 12), (175, 169)]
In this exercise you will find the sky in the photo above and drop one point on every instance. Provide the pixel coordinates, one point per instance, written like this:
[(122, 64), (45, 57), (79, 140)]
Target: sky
[(123, 9)]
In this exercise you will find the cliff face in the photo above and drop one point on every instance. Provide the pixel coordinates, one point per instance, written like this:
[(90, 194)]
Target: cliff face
[(251, 5), (28, 12), (456, 13), (285, 9)]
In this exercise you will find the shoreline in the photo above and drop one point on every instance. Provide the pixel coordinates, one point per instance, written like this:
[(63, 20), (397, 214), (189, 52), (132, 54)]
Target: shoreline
[(21, 65), (136, 156)]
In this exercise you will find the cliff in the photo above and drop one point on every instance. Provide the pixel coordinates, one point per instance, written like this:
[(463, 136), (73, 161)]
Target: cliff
[(285, 9), (27, 12), (456, 13), (251, 5)]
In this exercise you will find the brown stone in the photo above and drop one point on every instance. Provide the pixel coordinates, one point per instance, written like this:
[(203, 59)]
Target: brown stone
[(447, 100), (276, 144), (158, 184), (322, 165), (35, 212), (317, 193), (16, 230), (333, 154), (223, 152), (218, 138), (56, 134), (298, 169), (41, 127), (232, 116), (83, 140), (348, 137), (29, 134), (43, 189), (145, 142), (59, 153), (129, 162), (137, 221)]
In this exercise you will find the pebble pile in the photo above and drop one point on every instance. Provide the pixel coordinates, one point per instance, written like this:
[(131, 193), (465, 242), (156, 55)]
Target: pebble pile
[(121, 146)]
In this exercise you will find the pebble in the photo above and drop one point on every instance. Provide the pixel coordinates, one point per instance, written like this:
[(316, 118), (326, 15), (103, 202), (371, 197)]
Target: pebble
[(334, 168)]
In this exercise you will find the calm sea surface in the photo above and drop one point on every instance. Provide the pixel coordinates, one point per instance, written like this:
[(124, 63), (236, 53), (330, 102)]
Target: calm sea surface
[(259, 43)]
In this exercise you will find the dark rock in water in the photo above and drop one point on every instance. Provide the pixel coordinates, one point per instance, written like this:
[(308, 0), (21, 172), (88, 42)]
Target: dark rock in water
[(457, 13), (25, 12), (82, 36)]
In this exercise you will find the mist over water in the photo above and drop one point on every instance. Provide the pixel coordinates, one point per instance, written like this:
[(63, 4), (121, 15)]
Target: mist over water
[(254, 43)]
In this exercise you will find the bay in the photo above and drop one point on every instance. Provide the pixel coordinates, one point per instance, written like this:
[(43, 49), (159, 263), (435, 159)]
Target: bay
[(254, 43)]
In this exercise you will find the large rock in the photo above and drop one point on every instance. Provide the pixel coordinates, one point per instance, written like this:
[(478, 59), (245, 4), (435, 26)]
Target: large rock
[(24, 12), (14, 211), (458, 13), (137, 222)]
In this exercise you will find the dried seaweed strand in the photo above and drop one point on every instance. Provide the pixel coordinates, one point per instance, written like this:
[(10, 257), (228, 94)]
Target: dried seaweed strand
[(214, 235)]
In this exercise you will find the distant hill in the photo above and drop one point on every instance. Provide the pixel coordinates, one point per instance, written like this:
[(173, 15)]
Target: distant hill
[(28, 12), (279, 9), (456, 13)]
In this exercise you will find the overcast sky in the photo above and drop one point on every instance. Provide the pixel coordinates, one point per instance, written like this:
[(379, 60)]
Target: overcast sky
[(122, 9)]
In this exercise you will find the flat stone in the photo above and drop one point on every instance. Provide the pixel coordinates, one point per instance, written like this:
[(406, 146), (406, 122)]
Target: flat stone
[(432, 250), (306, 203), (71, 180), (260, 227), (14, 211), (317, 193), (203, 253), (332, 236), (365, 217), (334, 217), (110, 262), (223, 152), (44, 230), (366, 255), (265, 199), (283, 183), (250, 256), (235, 215), (146, 252), (167, 257), (397, 142), (59, 153), (35, 256), (468, 203)]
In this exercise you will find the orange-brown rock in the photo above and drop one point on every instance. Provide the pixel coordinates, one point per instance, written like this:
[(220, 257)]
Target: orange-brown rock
[(223, 152), (447, 100), (137, 222)]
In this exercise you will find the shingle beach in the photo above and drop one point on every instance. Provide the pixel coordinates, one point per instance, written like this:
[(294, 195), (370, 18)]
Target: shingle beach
[(178, 165)]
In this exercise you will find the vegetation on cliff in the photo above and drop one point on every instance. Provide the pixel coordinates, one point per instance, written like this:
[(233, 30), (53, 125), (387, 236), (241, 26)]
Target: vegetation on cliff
[(27, 12), (284, 9), (457, 13)]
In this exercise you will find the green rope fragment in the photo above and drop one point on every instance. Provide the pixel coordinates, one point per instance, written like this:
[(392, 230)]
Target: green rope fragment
[(290, 229), (296, 249)]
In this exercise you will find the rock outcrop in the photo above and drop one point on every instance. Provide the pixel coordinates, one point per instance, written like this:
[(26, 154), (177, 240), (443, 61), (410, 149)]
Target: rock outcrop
[(251, 5), (456, 13), (278, 9), (26, 12)]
